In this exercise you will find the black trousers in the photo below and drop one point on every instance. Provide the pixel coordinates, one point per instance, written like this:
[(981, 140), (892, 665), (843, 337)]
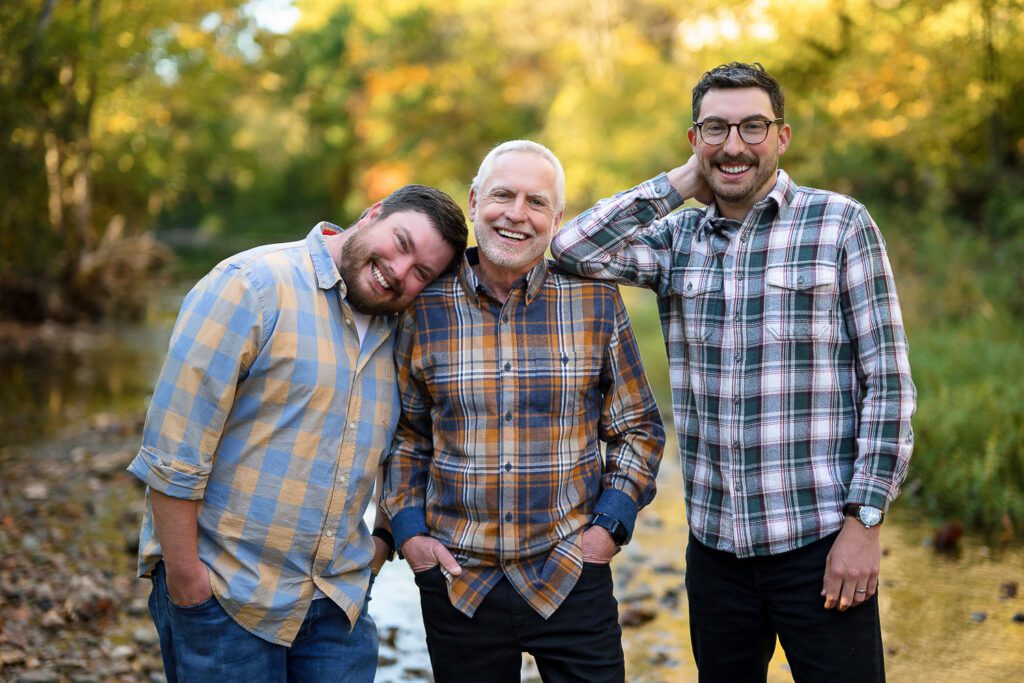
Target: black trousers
[(738, 606), (580, 642)]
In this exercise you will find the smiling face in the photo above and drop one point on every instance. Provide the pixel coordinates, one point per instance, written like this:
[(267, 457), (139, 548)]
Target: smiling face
[(514, 212), (386, 262), (740, 174)]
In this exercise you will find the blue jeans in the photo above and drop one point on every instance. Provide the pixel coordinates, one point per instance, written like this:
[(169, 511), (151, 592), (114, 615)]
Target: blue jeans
[(202, 643), (739, 605)]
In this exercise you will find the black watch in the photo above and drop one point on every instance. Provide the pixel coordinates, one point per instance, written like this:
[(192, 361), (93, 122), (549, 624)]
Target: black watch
[(614, 527)]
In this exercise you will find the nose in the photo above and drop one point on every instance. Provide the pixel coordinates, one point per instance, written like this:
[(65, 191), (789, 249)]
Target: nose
[(517, 209), (734, 143), (400, 268)]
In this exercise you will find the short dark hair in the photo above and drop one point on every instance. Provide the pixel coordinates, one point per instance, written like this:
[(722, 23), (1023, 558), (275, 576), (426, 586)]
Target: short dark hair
[(442, 211), (739, 75)]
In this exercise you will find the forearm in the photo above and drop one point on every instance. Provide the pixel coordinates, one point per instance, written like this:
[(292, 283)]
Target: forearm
[(177, 528), (606, 242)]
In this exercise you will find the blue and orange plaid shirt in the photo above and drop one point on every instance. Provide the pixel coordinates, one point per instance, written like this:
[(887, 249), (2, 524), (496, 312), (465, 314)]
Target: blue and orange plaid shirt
[(271, 414), (788, 361), (505, 408)]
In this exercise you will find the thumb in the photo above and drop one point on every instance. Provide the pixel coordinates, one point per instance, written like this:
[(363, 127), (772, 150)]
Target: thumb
[(446, 560)]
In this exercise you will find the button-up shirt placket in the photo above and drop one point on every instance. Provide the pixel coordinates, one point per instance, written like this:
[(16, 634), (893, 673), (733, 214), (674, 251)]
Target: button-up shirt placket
[(508, 479)]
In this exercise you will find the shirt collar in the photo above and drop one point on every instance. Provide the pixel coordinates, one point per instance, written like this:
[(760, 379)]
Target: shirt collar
[(327, 275), (471, 284), (781, 194)]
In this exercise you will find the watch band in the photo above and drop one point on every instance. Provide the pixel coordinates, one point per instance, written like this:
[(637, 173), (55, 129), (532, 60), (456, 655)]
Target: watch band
[(617, 529)]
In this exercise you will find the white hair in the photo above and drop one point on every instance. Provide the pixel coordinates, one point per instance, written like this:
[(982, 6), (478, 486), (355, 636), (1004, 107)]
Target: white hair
[(523, 146)]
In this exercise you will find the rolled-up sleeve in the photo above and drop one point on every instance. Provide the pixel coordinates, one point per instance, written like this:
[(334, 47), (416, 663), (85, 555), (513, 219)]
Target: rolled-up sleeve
[(217, 335)]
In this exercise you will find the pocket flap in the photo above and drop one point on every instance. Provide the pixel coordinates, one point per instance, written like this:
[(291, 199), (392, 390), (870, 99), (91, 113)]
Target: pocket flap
[(801, 277), (698, 281)]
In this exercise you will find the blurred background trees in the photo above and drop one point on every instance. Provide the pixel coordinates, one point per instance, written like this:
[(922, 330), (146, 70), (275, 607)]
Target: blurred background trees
[(199, 123)]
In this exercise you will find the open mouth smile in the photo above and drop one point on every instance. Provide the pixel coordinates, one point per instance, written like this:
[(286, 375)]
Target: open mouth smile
[(508, 234), (734, 169), (379, 277)]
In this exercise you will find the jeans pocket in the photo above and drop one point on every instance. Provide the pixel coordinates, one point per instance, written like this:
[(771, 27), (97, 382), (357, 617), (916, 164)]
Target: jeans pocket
[(193, 609)]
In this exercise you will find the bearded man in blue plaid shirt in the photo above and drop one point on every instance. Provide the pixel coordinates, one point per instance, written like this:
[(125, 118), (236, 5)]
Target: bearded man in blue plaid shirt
[(791, 386), (275, 404), (514, 377)]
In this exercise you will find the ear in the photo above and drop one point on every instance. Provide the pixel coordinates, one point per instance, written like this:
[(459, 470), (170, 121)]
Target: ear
[(691, 135), (472, 205), (784, 135), (370, 215)]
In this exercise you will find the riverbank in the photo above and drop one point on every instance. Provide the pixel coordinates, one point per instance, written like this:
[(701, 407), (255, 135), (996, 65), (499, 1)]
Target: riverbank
[(72, 611)]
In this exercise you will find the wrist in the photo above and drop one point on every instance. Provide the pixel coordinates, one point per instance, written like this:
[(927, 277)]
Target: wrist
[(615, 528), (868, 516)]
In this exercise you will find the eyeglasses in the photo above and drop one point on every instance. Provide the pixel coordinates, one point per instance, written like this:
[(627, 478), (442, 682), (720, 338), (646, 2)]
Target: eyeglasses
[(752, 132)]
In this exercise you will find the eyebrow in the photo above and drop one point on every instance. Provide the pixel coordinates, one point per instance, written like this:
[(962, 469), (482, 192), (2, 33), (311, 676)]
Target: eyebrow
[(412, 249), (745, 119), (529, 195)]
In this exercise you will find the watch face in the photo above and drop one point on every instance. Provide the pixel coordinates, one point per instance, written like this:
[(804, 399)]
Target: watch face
[(869, 516)]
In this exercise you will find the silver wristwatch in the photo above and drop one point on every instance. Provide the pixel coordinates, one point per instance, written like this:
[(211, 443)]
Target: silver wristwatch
[(865, 514)]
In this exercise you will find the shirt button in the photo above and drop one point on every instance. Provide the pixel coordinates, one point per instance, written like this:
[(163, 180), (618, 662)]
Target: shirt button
[(738, 357), (508, 366), (348, 321), (508, 516), (689, 286), (508, 416), (743, 239), (351, 426), (736, 317), (341, 479), (736, 444), (736, 401), (508, 467), (504, 318), (739, 276), (328, 533), (800, 280)]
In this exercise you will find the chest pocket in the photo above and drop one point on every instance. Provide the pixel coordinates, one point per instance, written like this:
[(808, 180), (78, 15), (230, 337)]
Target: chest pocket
[(703, 305), (800, 300), (559, 383)]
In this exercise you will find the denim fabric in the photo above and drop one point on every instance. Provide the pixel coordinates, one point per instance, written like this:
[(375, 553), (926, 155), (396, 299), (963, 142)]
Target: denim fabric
[(739, 605), (202, 643)]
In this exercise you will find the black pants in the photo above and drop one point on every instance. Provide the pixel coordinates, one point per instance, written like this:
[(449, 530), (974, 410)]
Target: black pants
[(738, 606), (581, 641)]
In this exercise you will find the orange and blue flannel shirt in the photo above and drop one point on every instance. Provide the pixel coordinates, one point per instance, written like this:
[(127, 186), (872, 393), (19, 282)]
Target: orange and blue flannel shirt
[(505, 409)]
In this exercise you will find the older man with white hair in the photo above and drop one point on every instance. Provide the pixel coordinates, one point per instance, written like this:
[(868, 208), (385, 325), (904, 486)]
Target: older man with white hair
[(512, 374)]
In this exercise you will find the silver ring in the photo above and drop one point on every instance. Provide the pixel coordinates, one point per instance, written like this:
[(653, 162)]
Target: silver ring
[(860, 590)]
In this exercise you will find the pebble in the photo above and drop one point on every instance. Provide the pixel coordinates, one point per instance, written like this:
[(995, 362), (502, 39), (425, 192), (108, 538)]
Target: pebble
[(978, 617), (35, 491), (38, 676), (1018, 617), (122, 652), (146, 636)]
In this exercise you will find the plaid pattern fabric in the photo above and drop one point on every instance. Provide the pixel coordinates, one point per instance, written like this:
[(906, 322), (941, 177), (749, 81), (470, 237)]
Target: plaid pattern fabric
[(504, 410), (269, 412), (791, 385)]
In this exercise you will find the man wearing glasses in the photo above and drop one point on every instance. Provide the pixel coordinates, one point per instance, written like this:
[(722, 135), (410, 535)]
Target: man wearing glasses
[(790, 380)]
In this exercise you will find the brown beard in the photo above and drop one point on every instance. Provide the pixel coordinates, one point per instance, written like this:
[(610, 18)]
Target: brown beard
[(354, 256)]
